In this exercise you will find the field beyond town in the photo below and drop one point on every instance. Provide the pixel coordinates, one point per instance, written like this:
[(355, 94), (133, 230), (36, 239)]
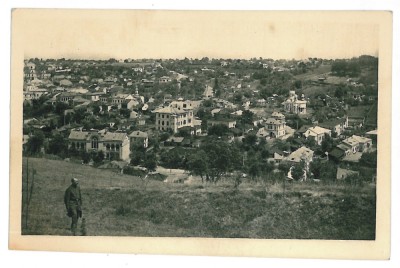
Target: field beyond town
[(124, 205)]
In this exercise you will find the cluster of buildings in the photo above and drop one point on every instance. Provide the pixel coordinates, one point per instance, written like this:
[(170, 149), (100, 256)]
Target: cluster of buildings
[(114, 93)]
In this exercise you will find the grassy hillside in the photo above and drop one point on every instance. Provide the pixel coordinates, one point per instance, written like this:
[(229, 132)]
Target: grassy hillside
[(122, 205)]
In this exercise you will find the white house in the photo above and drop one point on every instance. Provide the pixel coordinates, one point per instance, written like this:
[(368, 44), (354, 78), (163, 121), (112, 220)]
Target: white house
[(318, 133)]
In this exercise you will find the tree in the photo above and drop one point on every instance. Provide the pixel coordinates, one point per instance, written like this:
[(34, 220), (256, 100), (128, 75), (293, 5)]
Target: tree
[(125, 112), (284, 167), (327, 144), (218, 130), (214, 159), (281, 145), (79, 115), (340, 91), (322, 170), (263, 82), (238, 97), (247, 117), (339, 67), (184, 132), (58, 146), (150, 162), (137, 158), (298, 171), (298, 84), (85, 157), (310, 142), (207, 103), (198, 164), (216, 84), (60, 107), (173, 158), (35, 143), (369, 159), (249, 141), (98, 157)]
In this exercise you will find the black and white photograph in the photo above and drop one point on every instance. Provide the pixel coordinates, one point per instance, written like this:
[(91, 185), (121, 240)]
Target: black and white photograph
[(230, 126)]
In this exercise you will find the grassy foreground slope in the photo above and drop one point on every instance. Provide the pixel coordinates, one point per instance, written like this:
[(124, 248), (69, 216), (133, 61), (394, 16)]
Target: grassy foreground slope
[(122, 205)]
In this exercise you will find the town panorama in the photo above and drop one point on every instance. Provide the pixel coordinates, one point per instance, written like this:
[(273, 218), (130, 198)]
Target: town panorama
[(254, 148)]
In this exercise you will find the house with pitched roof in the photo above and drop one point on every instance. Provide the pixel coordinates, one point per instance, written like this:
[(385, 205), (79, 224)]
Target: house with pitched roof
[(358, 143), (336, 125), (318, 133), (115, 145), (141, 136), (302, 154), (352, 145)]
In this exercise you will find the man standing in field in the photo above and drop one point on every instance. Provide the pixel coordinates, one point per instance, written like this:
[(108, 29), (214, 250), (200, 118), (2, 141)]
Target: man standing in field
[(73, 203)]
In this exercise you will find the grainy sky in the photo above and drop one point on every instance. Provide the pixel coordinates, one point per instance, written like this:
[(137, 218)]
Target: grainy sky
[(177, 34)]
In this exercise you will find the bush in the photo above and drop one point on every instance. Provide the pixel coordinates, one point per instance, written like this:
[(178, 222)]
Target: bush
[(133, 172), (369, 159)]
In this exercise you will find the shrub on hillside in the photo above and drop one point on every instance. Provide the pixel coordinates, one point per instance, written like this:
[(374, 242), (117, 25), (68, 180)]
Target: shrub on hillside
[(133, 172)]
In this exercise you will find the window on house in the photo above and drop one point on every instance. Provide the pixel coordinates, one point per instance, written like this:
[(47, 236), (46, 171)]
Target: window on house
[(117, 147)]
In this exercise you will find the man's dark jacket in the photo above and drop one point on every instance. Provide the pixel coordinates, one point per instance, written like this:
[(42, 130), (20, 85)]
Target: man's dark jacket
[(73, 199)]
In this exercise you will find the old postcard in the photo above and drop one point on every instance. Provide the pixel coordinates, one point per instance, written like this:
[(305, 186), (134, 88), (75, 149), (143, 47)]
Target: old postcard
[(220, 133)]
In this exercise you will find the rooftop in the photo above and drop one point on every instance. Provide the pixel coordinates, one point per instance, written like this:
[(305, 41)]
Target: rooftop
[(301, 153), (317, 130), (274, 121), (107, 136), (354, 140), (138, 134), (169, 110)]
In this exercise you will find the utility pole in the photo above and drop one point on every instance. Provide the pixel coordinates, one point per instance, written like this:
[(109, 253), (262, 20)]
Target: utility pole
[(27, 192)]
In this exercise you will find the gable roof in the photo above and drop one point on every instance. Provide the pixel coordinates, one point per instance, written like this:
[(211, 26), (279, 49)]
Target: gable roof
[(169, 110), (105, 136), (277, 115), (355, 140), (114, 136), (317, 130), (303, 129), (297, 155), (138, 134), (78, 135), (274, 121)]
